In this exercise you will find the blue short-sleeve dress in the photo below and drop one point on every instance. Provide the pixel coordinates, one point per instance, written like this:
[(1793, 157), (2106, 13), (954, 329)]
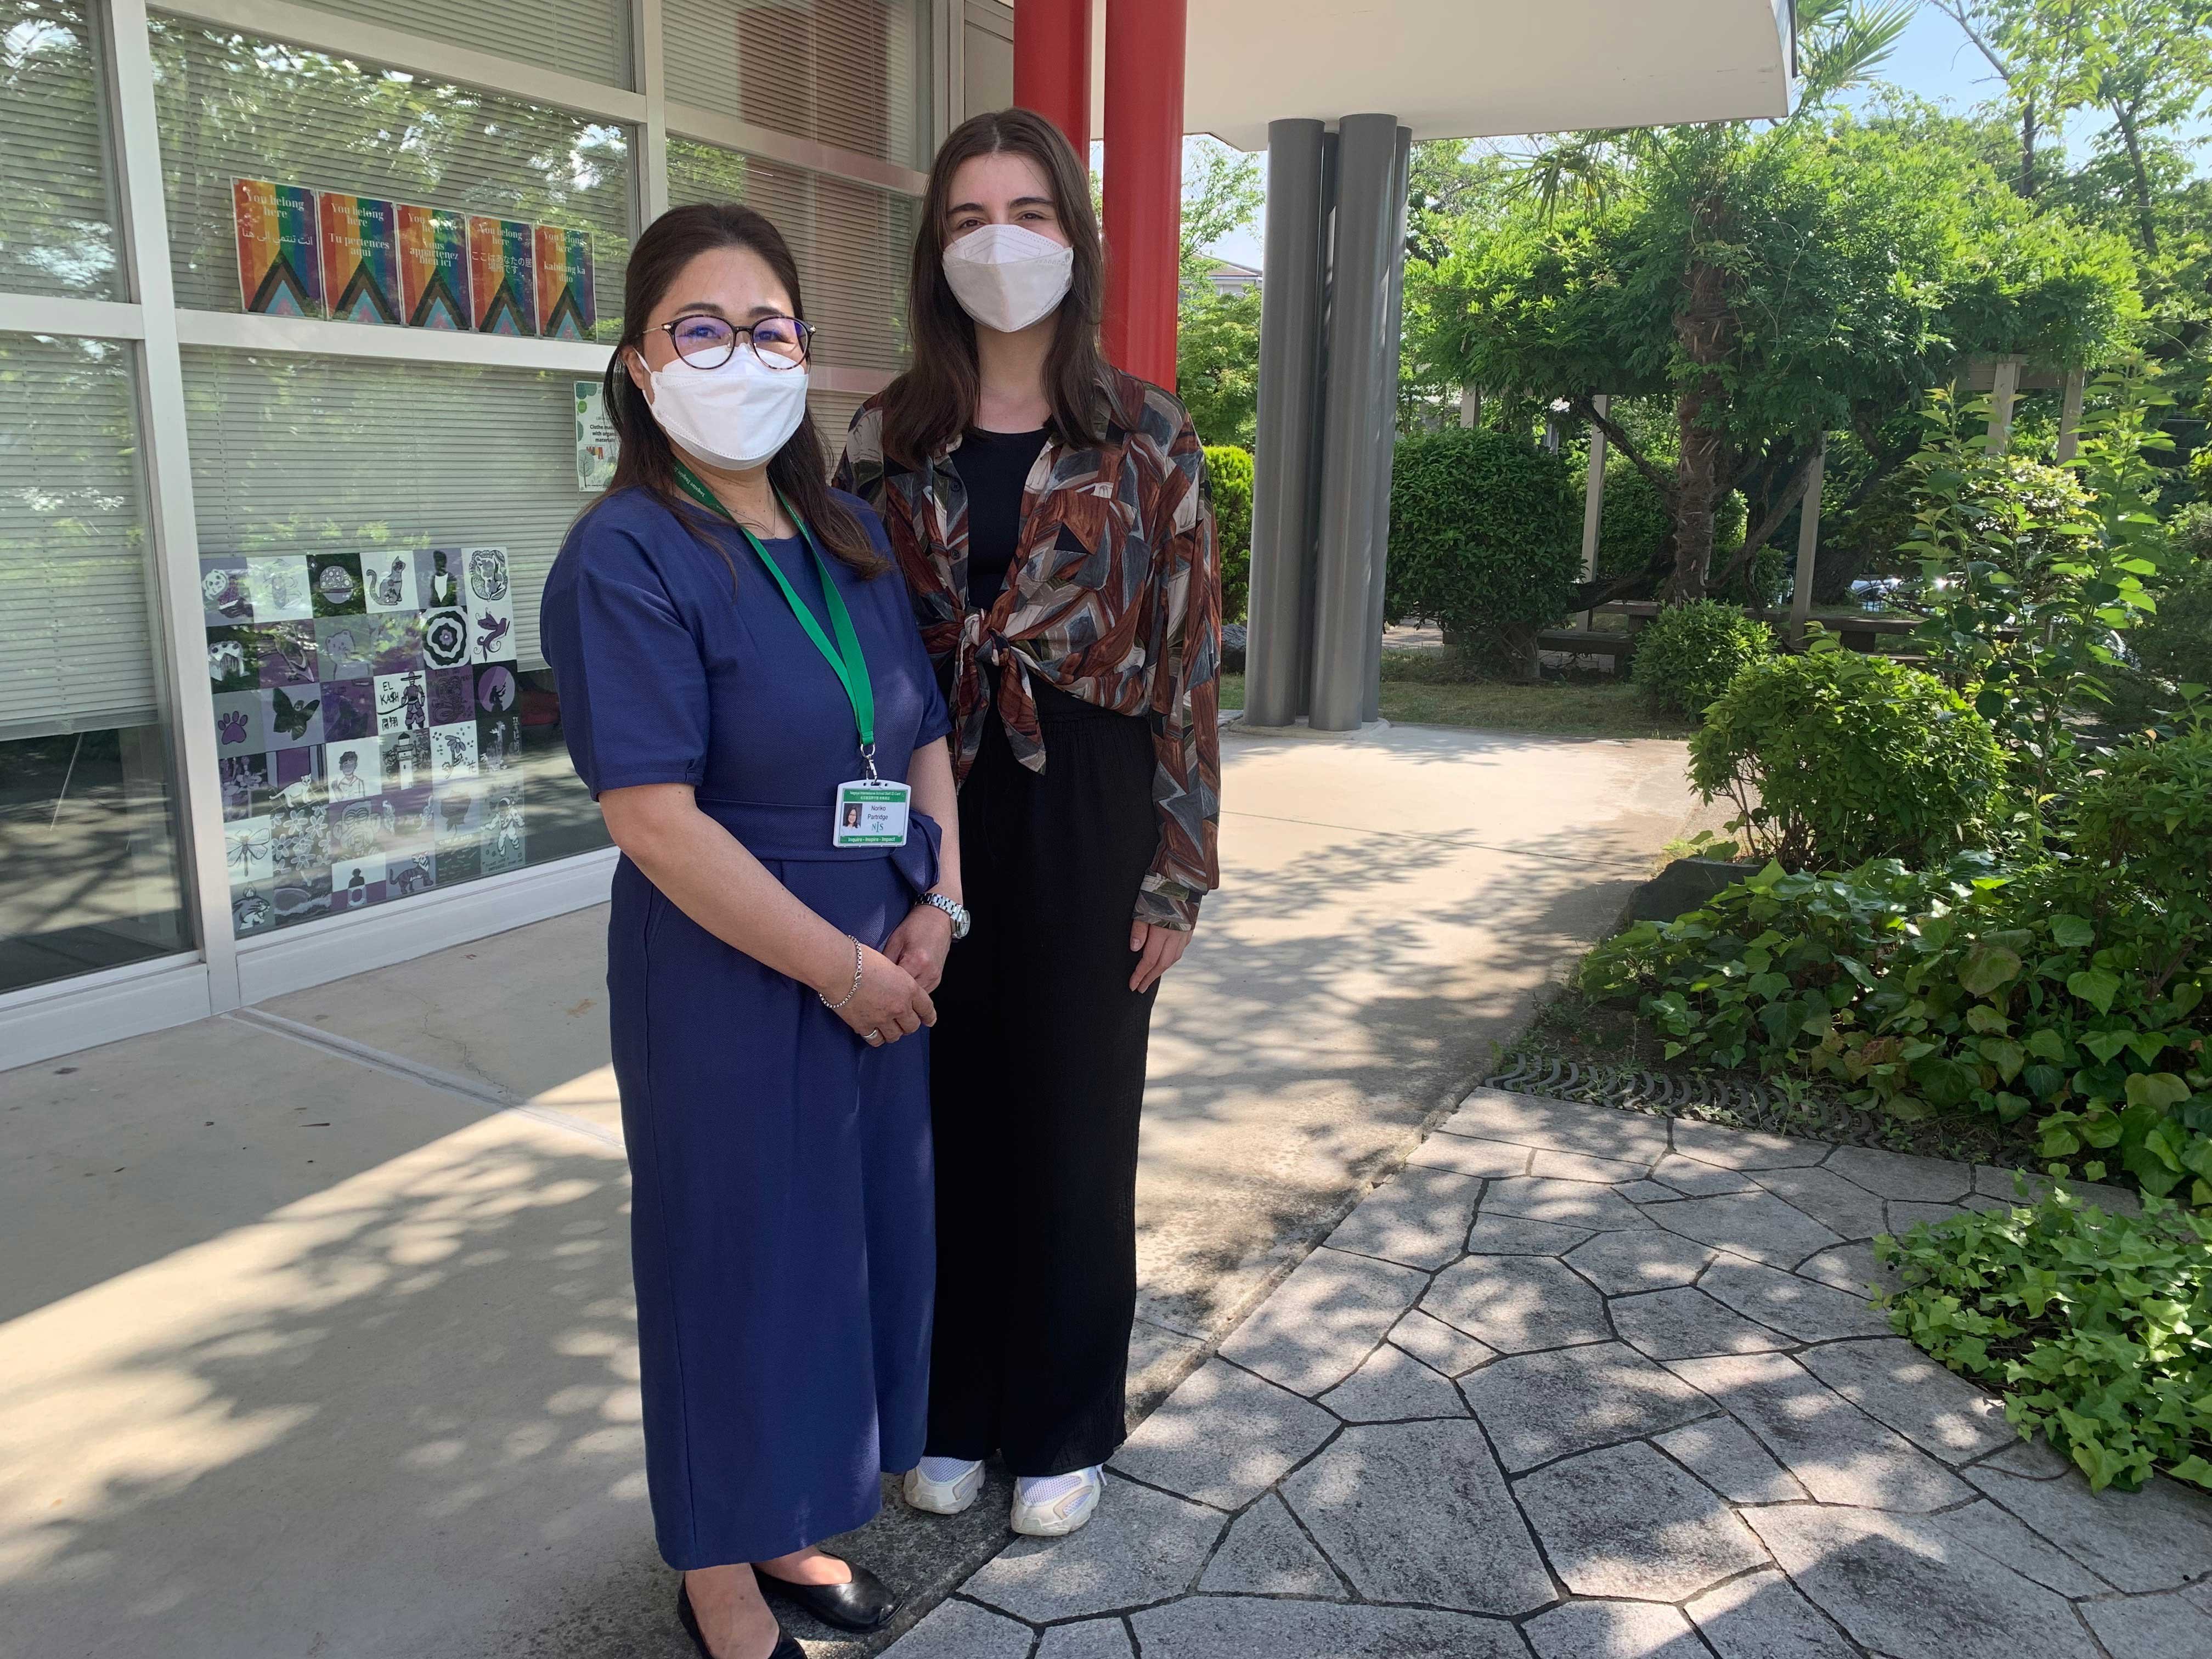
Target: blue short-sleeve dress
[(781, 1229)]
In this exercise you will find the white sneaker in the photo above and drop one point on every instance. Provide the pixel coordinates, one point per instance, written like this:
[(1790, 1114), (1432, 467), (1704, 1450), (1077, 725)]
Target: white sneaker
[(1057, 1504), (944, 1497)]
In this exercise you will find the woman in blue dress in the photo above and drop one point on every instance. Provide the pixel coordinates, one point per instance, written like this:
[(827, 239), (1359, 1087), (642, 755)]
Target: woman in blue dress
[(744, 692)]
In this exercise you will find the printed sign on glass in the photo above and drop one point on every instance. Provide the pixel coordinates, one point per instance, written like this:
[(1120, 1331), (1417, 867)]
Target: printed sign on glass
[(433, 268), (503, 285), (279, 265), (360, 257), (566, 307)]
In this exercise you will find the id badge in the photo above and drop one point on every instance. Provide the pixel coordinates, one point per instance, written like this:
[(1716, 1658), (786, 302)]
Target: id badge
[(870, 812)]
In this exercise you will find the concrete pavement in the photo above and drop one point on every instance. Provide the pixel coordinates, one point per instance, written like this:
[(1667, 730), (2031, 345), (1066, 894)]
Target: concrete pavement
[(1581, 1383), (317, 1332)]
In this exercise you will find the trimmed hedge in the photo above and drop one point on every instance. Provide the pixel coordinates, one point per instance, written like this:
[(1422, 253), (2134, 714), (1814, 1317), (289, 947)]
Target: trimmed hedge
[(1690, 652), (1229, 472), (1485, 537), (1833, 758)]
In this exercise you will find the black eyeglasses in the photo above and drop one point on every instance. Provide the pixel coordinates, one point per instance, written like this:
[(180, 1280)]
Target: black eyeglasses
[(706, 340)]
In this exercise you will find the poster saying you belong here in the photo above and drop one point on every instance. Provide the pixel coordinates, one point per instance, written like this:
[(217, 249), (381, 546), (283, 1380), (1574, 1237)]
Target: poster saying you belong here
[(304, 253), (368, 727)]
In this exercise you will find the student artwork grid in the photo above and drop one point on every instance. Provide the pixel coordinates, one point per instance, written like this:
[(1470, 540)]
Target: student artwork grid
[(304, 253), (368, 732)]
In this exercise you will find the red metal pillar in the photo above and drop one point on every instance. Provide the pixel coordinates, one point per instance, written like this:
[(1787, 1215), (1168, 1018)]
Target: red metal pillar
[(1052, 65), (1144, 184)]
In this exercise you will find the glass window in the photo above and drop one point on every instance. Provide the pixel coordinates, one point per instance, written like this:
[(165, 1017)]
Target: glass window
[(588, 39), (852, 242), (88, 864), (57, 200), (374, 539), (852, 73), (232, 107)]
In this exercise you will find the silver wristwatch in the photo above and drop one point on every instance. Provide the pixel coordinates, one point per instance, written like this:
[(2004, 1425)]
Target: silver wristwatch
[(952, 907)]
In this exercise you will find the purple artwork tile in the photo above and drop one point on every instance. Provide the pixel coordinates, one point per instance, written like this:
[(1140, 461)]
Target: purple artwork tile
[(294, 715), (409, 873), (224, 595), (349, 710), (290, 654), (399, 636), (347, 648), (495, 688), (301, 894), (452, 696)]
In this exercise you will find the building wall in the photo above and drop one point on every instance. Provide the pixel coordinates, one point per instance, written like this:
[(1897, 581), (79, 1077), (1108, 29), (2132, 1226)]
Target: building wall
[(272, 708)]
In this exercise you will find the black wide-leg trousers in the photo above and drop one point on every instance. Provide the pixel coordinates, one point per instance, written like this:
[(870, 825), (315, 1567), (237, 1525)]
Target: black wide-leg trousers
[(1037, 1077)]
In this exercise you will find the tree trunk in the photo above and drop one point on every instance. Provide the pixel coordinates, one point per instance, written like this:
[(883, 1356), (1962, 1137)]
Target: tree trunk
[(1706, 330), (1696, 489), (2123, 117)]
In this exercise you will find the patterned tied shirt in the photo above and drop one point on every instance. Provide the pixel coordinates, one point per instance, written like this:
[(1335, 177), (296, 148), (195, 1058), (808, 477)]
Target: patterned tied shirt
[(1114, 596)]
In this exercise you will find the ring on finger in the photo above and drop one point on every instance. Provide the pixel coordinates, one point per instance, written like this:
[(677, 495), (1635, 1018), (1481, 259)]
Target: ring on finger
[(875, 1037)]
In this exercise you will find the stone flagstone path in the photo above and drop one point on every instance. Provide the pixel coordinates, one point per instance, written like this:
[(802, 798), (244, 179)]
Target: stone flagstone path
[(1581, 1383)]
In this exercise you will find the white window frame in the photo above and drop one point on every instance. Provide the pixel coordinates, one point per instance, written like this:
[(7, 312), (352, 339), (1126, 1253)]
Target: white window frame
[(222, 972)]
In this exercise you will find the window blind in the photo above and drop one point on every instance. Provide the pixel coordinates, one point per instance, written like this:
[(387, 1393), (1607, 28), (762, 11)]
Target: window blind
[(587, 39), (56, 212), (77, 647), (297, 454), (853, 73), (851, 242), (233, 107)]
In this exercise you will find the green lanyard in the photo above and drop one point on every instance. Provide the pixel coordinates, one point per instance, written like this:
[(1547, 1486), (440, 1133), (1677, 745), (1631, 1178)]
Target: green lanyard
[(844, 659)]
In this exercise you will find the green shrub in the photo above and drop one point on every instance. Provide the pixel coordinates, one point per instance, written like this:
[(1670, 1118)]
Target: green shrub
[(2091, 1324), (1228, 471), (1633, 523), (2188, 532), (2176, 641), (2145, 821), (1832, 758), (1485, 537), (1690, 652), (2053, 989)]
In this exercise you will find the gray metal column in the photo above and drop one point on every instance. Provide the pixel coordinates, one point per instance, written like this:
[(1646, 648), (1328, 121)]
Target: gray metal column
[(1359, 319), (1279, 644), (1386, 423)]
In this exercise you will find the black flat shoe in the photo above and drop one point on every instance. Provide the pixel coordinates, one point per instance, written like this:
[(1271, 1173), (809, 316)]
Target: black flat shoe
[(785, 1647), (864, 1605)]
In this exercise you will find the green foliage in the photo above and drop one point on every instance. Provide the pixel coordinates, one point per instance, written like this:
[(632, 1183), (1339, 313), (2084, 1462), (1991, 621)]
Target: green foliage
[(1835, 271), (1832, 758), (1690, 652), (2053, 989), (1217, 364), (1485, 537), (2145, 824), (1229, 473), (2177, 642), (1635, 522), (2027, 579), (2092, 1324)]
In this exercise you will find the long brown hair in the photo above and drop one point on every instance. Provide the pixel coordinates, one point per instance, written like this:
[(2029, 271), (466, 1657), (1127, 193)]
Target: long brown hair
[(934, 401), (799, 470)]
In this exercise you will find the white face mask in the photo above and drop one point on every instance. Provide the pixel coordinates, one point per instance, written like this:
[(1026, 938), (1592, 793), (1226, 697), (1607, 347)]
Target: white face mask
[(735, 418), (1006, 276)]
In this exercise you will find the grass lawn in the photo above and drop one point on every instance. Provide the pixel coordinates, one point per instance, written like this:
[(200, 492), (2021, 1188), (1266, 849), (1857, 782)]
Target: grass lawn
[(1557, 708)]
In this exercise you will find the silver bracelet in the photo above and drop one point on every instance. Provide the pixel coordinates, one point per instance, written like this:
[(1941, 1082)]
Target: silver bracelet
[(855, 989)]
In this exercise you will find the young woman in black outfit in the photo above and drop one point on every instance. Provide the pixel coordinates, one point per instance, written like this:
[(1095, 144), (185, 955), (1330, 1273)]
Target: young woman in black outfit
[(1050, 515)]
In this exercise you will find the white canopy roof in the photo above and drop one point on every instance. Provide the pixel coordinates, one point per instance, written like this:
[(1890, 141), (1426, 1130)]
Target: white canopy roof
[(1470, 68)]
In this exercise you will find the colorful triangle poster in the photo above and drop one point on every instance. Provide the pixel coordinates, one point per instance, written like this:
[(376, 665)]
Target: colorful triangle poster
[(360, 257), (502, 288), (565, 309), (279, 267), (433, 268)]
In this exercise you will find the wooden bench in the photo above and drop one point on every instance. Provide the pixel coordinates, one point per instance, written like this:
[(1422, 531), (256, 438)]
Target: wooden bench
[(1587, 642)]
